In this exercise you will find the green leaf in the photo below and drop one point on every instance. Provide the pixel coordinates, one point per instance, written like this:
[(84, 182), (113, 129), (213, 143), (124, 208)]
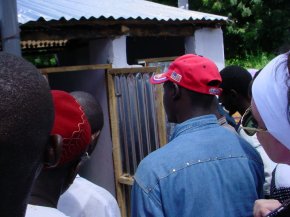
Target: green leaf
[(233, 2)]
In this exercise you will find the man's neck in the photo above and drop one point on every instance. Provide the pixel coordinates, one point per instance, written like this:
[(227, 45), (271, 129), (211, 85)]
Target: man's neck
[(244, 105), (43, 200), (243, 108), (194, 115), (47, 188)]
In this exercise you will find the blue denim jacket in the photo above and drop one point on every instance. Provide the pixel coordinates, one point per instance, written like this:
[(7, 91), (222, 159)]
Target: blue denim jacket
[(204, 171)]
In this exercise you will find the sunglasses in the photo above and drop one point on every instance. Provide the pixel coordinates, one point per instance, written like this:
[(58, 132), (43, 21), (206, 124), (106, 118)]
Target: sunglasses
[(249, 123)]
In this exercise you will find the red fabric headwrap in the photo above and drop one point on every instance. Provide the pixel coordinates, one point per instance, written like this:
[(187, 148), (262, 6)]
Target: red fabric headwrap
[(71, 123)]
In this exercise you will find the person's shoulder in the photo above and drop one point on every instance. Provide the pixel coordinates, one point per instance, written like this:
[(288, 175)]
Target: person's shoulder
[(151, 168), (37, 211), (151, 161), (96, 189), (251, 151), (240, 146), (83, 193), (250, 139), (81, 184)]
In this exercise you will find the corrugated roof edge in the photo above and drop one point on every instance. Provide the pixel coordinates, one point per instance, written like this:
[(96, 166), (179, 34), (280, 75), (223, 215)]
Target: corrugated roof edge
[(111, 18)]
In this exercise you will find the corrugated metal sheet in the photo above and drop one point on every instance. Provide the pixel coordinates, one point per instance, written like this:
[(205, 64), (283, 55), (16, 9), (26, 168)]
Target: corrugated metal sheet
[(33, 10), (137, 118)]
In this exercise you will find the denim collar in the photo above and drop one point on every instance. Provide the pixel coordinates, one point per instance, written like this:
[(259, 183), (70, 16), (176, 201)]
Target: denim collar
[(194, 123)]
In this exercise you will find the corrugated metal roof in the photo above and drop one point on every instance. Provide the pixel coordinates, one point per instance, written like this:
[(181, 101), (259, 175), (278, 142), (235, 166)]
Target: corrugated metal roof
[(33, 10)]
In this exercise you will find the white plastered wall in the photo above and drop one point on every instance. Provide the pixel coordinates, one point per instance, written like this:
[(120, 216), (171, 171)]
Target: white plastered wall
[(118, 53), (209, 43)]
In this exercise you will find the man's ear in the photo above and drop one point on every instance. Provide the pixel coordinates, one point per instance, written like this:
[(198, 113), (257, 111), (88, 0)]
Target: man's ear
[(176, 91), (234, 94), (53, 151), (94, 139)]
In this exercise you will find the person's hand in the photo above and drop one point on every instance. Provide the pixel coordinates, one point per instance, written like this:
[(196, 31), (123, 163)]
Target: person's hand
[(262, 207)]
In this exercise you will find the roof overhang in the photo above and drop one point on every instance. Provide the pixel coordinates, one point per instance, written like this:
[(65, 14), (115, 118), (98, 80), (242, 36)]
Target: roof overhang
[(50, 23)]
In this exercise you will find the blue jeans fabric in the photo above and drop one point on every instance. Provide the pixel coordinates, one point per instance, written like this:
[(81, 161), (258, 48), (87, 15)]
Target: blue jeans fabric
[(205, 171)]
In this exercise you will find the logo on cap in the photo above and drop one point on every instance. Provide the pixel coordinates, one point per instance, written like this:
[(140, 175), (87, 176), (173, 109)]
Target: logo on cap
[(214, 91), (176, 77), (159, 77)]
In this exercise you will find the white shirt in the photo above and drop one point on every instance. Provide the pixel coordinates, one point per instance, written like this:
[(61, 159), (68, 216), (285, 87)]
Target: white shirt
[(269, 165), (282, 176), (85, 199), (42, 211)]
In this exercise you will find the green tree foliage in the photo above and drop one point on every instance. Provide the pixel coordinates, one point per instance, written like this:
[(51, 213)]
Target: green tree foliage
[(255, 25), (42, 60)]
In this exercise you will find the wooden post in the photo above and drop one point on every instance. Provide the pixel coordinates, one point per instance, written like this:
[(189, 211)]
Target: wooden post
[(116, 143)]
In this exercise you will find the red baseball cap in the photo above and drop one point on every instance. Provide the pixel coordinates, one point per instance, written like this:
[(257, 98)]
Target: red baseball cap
[(72, 124), (192, 72)]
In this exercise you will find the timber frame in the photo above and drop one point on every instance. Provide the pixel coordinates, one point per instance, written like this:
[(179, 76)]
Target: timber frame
[(125, 180)]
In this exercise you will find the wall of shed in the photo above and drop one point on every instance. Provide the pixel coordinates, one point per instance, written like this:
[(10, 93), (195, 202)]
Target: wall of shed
[(99, 169), (209, 43)]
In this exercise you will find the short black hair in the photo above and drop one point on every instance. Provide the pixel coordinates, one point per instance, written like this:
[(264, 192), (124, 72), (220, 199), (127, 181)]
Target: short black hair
[(197, 99), (26, 114), (236, 78), (201, 100), (92, 109)]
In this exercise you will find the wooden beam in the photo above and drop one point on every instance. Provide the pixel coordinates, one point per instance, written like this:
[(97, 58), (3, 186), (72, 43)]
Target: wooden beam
[(98, 31), (157, 31), (71, 32), (74, 68), (126, 179), (131, 70), (154, 60)]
